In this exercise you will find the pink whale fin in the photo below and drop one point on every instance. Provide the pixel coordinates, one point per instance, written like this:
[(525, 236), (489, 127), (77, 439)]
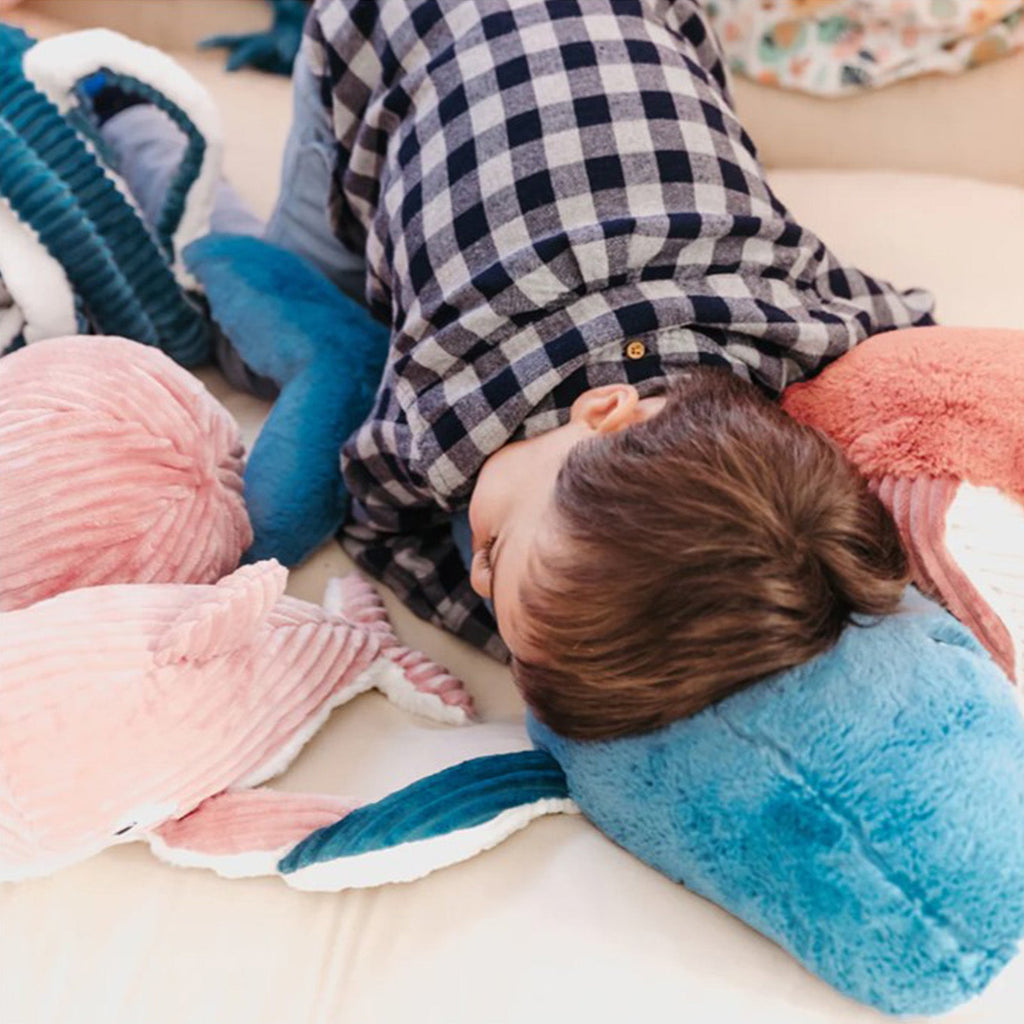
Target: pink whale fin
[(358, 603), (919, 506), (243, 833), (424, 686), (428, 681), (223, 617)]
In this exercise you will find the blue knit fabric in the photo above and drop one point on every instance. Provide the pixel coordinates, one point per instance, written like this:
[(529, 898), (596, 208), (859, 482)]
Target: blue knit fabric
[(865, 811)]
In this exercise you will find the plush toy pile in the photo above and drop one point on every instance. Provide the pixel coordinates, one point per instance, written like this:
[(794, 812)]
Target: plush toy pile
[(76, 254), (865, 810), (851, 809)]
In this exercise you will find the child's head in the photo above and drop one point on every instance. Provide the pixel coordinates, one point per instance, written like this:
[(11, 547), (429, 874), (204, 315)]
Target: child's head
[(652, 556)]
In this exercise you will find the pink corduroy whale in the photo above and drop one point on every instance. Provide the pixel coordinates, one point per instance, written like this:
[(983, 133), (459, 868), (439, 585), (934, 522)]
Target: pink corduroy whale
[(118, 466), (150, 711)]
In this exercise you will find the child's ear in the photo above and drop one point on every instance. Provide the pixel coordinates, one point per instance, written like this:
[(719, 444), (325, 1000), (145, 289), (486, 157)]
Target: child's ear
[(607, 409)]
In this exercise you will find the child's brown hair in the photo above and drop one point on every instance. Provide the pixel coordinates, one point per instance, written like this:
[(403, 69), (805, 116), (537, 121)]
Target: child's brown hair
[(699, 551)]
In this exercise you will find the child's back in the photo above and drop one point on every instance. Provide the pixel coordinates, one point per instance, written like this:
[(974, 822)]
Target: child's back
[(553, 197)]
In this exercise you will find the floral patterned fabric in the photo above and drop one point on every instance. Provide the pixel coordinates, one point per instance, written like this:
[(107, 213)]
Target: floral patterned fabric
[(835, 47)]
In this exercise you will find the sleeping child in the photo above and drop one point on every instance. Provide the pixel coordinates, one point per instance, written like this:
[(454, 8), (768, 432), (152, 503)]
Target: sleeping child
[(594, 297), (594, 300)]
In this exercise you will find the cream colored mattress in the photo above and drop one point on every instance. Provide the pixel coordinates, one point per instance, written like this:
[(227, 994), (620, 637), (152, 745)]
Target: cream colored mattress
[(557, 923)]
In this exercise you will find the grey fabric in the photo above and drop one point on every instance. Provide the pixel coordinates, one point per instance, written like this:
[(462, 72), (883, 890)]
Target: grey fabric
[(148, 149)]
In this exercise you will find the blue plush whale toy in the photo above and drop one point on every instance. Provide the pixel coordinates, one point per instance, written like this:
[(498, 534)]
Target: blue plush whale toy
[(865, 811)]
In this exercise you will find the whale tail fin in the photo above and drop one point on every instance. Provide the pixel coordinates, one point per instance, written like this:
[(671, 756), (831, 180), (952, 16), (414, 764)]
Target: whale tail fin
[(437, 821), (328, 843), (244, 833), (224, 616), (405, 676)]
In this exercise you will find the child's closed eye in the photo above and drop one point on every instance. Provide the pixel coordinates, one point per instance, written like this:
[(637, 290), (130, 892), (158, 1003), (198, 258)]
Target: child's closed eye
[(485, 553)]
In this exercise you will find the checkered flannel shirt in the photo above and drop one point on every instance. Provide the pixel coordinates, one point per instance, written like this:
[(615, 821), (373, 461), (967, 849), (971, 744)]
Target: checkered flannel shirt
[(538, 186)]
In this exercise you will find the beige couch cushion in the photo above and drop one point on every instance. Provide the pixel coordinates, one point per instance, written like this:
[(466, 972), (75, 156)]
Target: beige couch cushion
[(970, 125)]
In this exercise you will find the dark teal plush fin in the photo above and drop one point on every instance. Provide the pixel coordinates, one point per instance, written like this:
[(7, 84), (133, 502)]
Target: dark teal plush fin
[(280, 312), (273, 50), (294, 492), (290, 323), (437, 821)]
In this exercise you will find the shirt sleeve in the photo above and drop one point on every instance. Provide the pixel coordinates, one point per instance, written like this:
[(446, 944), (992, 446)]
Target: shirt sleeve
[(412, 551)]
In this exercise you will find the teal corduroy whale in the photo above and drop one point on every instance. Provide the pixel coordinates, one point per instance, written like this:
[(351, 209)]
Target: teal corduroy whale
[(75, 253)]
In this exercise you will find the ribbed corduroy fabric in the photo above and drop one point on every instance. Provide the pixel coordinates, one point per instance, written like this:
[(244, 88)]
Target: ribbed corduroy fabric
[(118, 466), (123, 709)]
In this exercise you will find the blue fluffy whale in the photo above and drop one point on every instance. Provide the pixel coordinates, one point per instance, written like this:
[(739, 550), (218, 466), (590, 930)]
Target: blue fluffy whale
[(865, 811)]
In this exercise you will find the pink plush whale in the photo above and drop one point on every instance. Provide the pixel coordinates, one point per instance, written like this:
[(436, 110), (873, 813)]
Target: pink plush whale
[(934, 418), (118, 466), (147, 711)]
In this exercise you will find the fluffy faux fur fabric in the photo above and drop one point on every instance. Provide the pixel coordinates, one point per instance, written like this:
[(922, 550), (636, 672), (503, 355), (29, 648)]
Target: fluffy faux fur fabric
[(928, 401), (862, 810), (924, 413)]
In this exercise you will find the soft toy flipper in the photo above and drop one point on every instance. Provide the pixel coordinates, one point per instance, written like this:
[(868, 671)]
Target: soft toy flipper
[(920, 508), (934, 418), (436, 821), (242, 834), (289, 323), (273, 50)]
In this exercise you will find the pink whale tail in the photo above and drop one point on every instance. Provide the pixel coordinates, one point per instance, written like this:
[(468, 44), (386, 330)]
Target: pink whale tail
[(244, 833), (919, 506), (420, 685)]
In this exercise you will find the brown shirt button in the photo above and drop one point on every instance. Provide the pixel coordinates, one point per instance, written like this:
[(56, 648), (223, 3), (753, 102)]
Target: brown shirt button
[(636, 350)]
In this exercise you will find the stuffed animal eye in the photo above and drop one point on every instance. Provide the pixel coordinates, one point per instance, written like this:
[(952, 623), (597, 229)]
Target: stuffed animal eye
[(127, 828)]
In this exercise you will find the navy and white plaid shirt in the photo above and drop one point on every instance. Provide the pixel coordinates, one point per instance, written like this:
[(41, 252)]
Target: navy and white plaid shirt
[(536, 185)]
